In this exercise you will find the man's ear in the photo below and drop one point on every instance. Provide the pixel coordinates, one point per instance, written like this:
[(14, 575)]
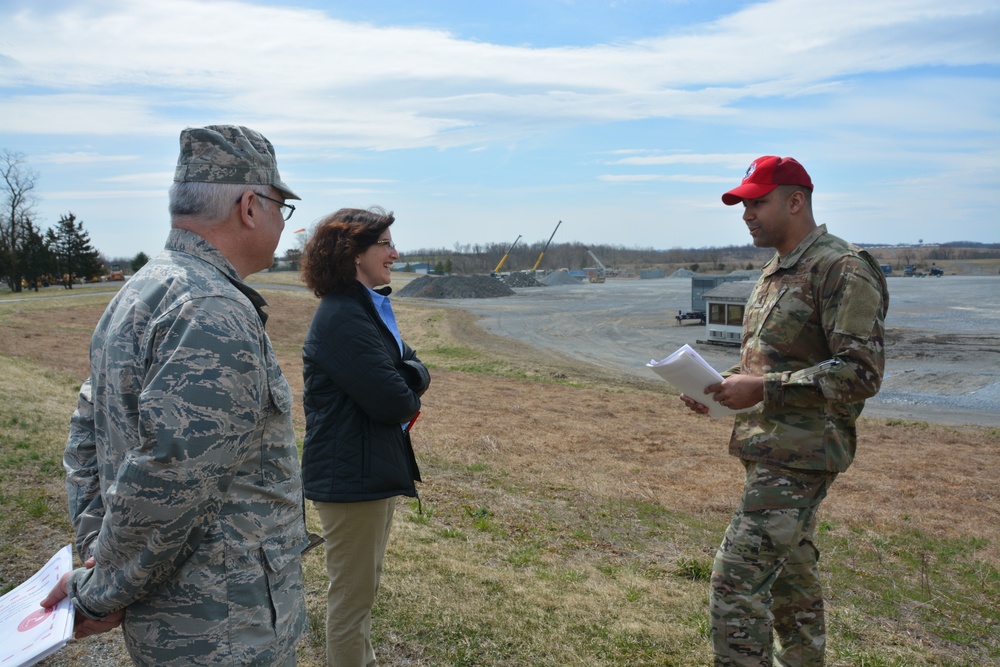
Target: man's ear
[(248, 208), (796, 200)]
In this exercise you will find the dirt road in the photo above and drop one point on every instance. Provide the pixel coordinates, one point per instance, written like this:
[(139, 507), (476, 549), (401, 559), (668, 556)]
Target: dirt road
[(943, 337)]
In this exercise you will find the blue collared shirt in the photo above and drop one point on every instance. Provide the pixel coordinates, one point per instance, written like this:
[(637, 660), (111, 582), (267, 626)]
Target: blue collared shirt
[(384, 309)]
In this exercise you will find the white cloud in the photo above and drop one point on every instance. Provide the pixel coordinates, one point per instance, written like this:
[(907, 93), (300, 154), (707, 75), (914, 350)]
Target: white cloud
[(148, 179), (104, 194), (722, 159), (343, 179), (674, 178), (879, 98), (353, 84), (80, 157)]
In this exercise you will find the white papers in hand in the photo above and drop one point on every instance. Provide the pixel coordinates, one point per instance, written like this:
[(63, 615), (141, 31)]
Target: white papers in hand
[(688, 372), (29, 633)]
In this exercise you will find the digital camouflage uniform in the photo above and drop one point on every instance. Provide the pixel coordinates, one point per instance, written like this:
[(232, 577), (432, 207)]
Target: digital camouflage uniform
[(813, 328), (183, 473)]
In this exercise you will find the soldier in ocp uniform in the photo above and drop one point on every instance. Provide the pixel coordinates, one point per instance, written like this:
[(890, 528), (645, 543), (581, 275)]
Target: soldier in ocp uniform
[(183, 474), (812, 352)]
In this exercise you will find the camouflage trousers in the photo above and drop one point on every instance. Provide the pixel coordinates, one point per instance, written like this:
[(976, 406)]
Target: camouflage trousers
[(765, 582)]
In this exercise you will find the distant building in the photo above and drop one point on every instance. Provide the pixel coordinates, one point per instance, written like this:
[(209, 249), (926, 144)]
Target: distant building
[(702, 284), (421, 268), (726, 304)]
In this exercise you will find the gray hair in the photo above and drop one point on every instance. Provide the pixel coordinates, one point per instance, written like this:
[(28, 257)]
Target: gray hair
[(208, 201)]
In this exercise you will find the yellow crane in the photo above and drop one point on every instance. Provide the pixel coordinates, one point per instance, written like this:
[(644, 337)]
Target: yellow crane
[(542, 254), (503, 259), (601, 270)]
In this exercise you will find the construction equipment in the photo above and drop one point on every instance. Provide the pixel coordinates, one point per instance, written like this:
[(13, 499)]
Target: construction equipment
[(601, 270), (542, 254), (496, 271), (116, 273)]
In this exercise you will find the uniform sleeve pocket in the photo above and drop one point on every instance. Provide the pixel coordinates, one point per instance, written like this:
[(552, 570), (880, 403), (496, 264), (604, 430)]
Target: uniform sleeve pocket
[(858, 308)]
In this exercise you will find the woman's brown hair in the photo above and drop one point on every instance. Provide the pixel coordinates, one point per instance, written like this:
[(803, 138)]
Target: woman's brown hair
[(328, 261)]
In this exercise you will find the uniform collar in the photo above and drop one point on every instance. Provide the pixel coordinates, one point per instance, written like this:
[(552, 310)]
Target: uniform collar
[(189, 243), (791, 259)]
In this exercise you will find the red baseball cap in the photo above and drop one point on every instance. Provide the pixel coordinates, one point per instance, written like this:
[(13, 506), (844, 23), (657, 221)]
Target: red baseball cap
[(765, 174)]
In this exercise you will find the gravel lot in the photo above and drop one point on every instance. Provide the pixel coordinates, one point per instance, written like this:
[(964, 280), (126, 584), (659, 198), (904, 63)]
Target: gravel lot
[(943, 340), (942, 352)]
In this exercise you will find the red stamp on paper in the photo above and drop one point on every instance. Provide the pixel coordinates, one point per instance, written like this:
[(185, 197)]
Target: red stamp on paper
[(33, 619)]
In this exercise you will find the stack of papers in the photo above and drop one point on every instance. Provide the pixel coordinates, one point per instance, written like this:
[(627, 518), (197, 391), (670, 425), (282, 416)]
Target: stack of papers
[(687, 371), (29, 633)]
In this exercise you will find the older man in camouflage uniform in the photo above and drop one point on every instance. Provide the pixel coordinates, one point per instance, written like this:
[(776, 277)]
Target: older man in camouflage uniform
[(183, 473), (812, 353)]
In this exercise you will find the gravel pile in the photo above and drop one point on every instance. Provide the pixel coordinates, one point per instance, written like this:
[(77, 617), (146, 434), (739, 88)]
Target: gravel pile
[(746, 274), (559, 278), (455, 287), (683, 273), (522, 279)]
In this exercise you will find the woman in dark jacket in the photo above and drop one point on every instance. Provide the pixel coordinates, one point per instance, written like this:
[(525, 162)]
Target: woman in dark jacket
[(362, 393)]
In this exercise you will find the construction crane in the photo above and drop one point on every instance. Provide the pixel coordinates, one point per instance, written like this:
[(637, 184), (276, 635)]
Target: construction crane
[(601, 270), (542, 254), (503, 259)]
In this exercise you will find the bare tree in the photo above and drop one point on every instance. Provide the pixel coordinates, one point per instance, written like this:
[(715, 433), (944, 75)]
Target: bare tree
[(16, 208)]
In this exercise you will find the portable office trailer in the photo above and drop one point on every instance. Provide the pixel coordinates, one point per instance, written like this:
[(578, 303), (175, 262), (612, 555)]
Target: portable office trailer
[(702, 284), (725, 305)]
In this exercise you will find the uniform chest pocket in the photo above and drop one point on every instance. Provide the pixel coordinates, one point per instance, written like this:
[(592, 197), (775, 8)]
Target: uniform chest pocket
[(780, 319), (277, 385), (278, 454)]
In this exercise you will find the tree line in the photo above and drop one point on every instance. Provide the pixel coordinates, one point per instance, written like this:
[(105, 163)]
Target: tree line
[(478, 258), (31, 258)]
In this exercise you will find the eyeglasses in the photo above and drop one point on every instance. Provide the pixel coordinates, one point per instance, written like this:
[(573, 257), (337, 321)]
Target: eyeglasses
[(281, 205), (387, 243)]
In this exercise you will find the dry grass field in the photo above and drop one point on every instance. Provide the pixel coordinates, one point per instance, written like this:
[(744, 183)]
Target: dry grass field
[(567, 518)]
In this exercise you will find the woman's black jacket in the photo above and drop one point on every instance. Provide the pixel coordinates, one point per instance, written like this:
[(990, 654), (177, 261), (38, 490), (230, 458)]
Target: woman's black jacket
[(357, 393)]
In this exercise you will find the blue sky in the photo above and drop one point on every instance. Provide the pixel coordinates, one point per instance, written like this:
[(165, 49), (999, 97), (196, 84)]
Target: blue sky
[(479, 122)]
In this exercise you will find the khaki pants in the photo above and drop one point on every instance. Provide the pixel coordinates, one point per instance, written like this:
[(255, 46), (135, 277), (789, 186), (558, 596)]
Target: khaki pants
[(356, 536)]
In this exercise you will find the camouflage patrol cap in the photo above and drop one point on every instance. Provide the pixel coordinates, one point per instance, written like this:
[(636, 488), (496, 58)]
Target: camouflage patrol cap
[(228, 154)]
